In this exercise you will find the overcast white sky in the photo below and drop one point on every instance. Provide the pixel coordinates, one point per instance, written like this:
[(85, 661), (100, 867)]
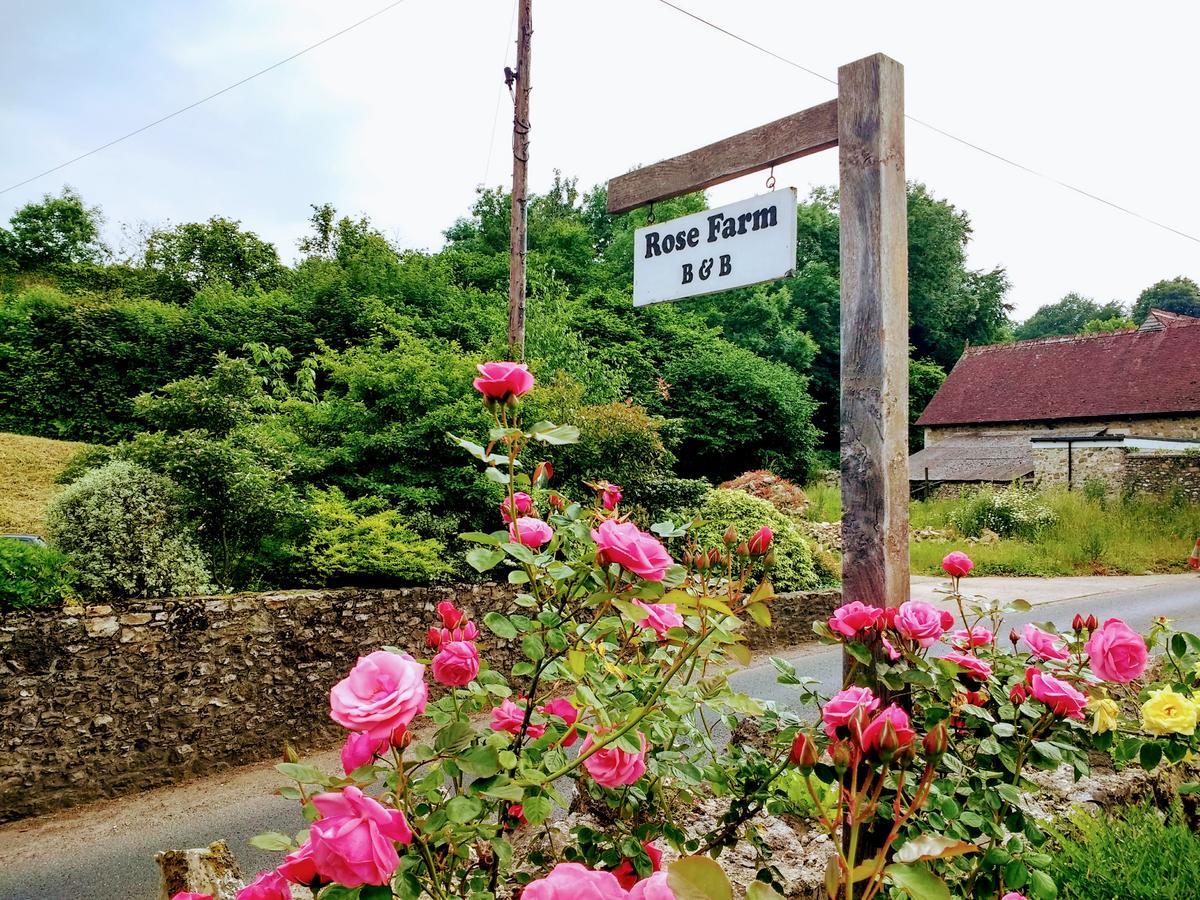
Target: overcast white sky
[(395, 119)]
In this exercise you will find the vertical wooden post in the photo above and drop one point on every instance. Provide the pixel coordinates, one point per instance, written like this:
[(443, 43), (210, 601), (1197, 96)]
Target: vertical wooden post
[(874, 320), (518, 241)]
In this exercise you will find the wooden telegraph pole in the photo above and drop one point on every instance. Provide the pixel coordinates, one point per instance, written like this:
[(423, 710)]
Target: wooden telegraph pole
[(518, 233)]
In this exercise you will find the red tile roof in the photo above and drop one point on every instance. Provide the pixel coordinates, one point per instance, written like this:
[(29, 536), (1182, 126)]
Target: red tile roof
[(1125, 373)]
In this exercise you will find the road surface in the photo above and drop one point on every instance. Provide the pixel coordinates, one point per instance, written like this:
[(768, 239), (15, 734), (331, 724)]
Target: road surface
[(106, 850)]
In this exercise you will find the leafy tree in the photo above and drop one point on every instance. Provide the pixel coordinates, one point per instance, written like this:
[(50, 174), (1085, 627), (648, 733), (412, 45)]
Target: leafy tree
[(1103, 326), (196, 254), (924, 379), (58, 230), (1068, 316), (1178, 295)]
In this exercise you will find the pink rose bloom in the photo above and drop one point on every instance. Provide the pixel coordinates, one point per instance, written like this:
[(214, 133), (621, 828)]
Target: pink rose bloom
[(947, 620), (384, 691), (899, 720), (1116, 652), (523, 503), (571, 881), (191, 895), (920, 622), (626, 545), (456, 664), (627, 874), (533, 533), (957, 564), (976, 637), (611, 496), (1043, 645), (841, 707), (1061, 697), (1013, 895), (298, 866), (656, 887), (450, 614), (853, 618), (613, 767), (661, 617), (266, 886), (760, 541), (509, 717), (499, 380), (892, 653), (974, 666), (360, 748), (564, 709), (354, 841)]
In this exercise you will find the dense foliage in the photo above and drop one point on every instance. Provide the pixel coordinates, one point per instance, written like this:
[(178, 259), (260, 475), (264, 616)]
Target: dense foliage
[(32, 575)]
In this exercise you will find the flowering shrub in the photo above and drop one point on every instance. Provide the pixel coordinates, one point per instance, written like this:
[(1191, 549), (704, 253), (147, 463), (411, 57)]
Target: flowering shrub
[(915, 767)]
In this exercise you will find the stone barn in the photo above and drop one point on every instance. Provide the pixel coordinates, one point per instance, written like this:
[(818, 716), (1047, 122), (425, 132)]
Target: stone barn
[(1121, 407)]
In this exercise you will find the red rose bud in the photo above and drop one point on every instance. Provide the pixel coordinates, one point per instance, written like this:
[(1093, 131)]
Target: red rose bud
[(451, 614), (557, 502), (1091, 624), (1018, 694), (542, 473), (937, 741), (433, 638), (730, 536), (804, 753), (889, 741), (715, 557), (1077, 623), (761, 541), (1014, 636), (859, 720), (401, 738), (743, 550), (841, 756)]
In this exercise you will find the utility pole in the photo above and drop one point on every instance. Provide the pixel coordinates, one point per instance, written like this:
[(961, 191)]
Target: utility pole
[(521, 85)]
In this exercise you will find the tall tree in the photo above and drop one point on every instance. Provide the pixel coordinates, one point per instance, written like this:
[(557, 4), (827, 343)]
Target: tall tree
[(58, 230), (194, 254), (1067, 316), (1178, 295)]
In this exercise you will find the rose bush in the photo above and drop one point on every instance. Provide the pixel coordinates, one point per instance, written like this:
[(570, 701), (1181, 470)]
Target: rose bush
[(916, 767)]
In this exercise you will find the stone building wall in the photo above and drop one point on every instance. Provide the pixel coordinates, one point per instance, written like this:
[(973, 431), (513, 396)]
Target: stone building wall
[(1182, 426), (1162, 472), (101, 701), (1106, 464)]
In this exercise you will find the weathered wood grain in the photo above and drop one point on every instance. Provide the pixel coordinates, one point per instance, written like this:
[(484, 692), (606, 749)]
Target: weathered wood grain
[(518, 248), (874, 327), (791, 137)]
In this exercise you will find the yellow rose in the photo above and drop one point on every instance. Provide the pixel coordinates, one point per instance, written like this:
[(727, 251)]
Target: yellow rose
[(1104, 714), (1168, 712)]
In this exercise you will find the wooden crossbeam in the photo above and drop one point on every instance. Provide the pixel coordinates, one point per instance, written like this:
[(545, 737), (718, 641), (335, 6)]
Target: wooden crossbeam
[(791, 137)]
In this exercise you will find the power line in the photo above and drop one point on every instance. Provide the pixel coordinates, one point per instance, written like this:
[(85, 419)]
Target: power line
[(997, 156), (487, 169), (212, 96)]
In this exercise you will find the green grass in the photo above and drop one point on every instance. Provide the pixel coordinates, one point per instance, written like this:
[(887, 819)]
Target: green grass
[(1137, 853), (1111, 536), (28, 468)]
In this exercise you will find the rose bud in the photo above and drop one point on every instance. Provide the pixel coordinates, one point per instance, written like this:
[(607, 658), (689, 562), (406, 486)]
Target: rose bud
[(1077, 623), (889, 741), (401, 738), (1014, 636), (840, 754), (715, 558), (804, 753), (769, 559), (730, 537), (937, 741), (1018, 694), (557, 502), (857, 724), (1091, 624), (743, 550), (761, 541), (433, 637)]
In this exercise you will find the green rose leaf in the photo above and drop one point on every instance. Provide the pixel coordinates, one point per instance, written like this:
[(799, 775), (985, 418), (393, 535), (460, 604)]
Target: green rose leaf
[(536, 809), (500, 626), (272, 840), (481, 559), (917, 881), (532, 646), (461, 810), (760, 891), (698, 878)]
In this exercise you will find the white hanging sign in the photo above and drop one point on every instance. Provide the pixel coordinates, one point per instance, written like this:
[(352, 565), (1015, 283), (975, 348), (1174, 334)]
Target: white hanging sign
[(744, 243)]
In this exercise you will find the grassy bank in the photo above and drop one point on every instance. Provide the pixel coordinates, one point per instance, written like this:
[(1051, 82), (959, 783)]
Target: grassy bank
[(1089, 535), (28, 468)]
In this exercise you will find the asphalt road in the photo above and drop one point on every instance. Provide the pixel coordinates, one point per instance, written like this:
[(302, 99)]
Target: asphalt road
[(106, 851)]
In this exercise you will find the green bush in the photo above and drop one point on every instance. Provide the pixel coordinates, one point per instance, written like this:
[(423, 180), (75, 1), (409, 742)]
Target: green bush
[(618, 443), (32, 575), (123, 530), (782, 494), (793, 558), (1137, 853), (1013, 512), (361, 543)]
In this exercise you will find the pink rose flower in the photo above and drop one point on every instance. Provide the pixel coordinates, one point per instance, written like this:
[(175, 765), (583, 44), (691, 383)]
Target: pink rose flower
[(627, 874), (920, 622), (456, 664), (899, 721), (613, 767), (450, 614), (892, 653), (1013, 895), (533, 533), (852, 619), (523, 503), (957, 564), (571, 881), (611, 495), (1116, 652), (384, 691), (1043, 645), (1061, 697), (656, 887), (298, 866), (979, 636), (661, 617), (760, 541), (974, 666), (500, 380), (517, 811), (360, 748), (564, 709), (354, 841), (626, 545), (509, 717), (191, 895), (266, 886), (842, 706)]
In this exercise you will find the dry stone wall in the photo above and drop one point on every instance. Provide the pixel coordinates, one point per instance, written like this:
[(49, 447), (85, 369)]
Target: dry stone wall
[(1163, 473), (103, 700)]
